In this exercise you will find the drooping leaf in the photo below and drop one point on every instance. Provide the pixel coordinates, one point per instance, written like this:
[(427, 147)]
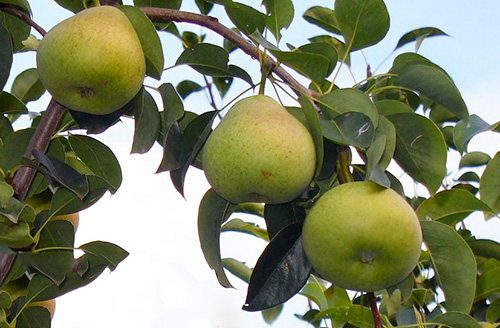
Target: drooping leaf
[(147, 123), (213, 212), (206, 59), (108, 252), (150, 41), (490, 180), (279, 15), (454, 265), (420, 149), (98, 158), (435, 85), (246, 18), (322, 17), (465, 131), (418, 35), (186, 87), (238, 225), (314, 127), (456, 319), (27, 86), (280, 216), (450, 206), (363, 22), (281, 271), (5, 55)]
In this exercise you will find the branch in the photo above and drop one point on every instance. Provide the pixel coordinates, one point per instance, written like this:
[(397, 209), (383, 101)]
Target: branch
[(171, 15), (12, 10), (375, 313)]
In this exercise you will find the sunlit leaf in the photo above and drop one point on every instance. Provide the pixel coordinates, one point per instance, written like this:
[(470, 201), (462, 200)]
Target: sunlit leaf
[(322, 48), (311, 65), (354, 129), (341, 101)]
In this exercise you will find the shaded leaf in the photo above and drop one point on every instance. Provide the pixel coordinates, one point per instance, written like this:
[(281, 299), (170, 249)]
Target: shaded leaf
[(10, 104), (237, 268), (213, 212), (246, 18), (238, 225), (493, 312), (454, 265), (74, 5), (18, 30), (418, 35), (281, 216), (354, 129), (341, 101), (169, 4), (204, 6), (186, 87), (475, 158), (281, 271), (27, 86), (490, 180), (5, 55), (147, 123), (205, 58), (314, 127), (279, 15), (110, 253), (357, 315), (322, 48), (311, 65), (456, 319), (465, 131), (322, 17), (34, 316)]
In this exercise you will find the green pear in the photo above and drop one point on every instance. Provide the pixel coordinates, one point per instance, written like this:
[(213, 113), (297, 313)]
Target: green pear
[(92, 62), (363, 237), (259, 153)]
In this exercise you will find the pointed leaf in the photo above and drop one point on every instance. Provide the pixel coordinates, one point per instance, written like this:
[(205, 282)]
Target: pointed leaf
[(281, 271), (419, 34), (363, 22), (420, 149), (246, 18), (490, 180), (213, 212), (279, 15), (147, 123), (465, 131), (186, 87), (475, 158), (322, 17), (205, 58), (322, 48), (27, 86), (313, 66), (9, 104), (454, 265), (109, 252)]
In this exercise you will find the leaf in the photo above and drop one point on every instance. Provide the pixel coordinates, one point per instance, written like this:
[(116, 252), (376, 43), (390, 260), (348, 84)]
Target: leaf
[(95, 124), (205, 58), (450, 206), (14, 146), (6, 192), (18, 30), (493, 312), (74, 5), (204, 6), (464, 131), (279, 15), (434, 84), (213, 212), (281, 216), (169, 4), (314, 127), (98, 158), (147, 123), (246, 18), (420, 149), (341, 101), (34, 316), (354, 129), (110, 253), (454, 264), (237, 268), (15, 235), (322, 17), (313, 66), (186, 87), (357, 315), (9, 104), (27, 86), (456, 319), (473, 159), (6, 56), (388, 107), (150, 41), (281, 271), (490, 180), (418, 35), (488, 283), (322, 48), (238, 225), (363, 22)]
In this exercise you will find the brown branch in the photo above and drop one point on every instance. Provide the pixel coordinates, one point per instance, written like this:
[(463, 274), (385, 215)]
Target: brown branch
[(171, 15), (377, 319), (12, 10)]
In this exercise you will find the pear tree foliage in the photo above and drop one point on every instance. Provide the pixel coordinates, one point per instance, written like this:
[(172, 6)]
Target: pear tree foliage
[(408, 119)]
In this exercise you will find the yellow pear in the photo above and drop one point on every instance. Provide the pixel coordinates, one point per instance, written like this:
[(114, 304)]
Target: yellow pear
[(259, 153)]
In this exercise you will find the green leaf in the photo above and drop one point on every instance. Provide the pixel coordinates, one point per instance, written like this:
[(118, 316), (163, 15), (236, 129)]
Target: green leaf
[(363, 22), (5, 55), (98, 158), (270, 315), (186, 87), (354, 129), (450, 206), (341, 101), (10, 104), (418, 35), (6, 192), (204, 6), (205, 58), (314, 127), (36, 316), (279, 15), (169, 4), (108, 252), (246, 18), (357, 315), (15, 235), (147, 123), (22, 4), (213, 212), (311, 65), (490, 180), (454, 265), (322, 48), (435, 85), (237, 268), (465, 131), (473, 159), (150, 41), (456, 319), (14, 146), (74, 5), (322, 17), (493, 312), (488, 283), (238, 225), (388, 107), (27, 86), (18, 30), (420, 149)]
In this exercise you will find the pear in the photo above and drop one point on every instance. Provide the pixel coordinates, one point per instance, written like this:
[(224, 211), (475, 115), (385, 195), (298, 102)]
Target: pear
[(259, 153), (92, 62)]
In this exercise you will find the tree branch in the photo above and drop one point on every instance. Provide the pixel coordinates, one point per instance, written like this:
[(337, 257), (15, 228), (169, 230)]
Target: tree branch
[(12, 10), (171, 15), (377, 319)]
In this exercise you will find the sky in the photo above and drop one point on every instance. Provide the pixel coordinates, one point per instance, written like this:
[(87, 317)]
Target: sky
[(165, 282)]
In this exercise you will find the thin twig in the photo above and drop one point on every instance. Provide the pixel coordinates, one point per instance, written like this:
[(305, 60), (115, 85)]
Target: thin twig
[(11, 10), (377, 319), (212, 23)]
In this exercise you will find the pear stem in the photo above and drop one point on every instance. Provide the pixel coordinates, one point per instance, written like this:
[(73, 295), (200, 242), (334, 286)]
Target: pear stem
[(212, 23), (13, 11), (377, 319)]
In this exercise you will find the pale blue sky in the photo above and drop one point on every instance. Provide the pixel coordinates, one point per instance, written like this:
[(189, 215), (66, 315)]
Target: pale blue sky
[(165, 282)]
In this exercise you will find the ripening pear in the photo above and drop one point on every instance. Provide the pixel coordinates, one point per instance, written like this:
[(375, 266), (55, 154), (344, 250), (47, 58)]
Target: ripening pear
[(92, 62), (259, 153)]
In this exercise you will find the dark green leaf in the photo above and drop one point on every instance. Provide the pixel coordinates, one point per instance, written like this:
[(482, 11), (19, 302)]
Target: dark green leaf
[(169, 4), (246, 18), (5, 55), (205, 58), (354, 129), (95, 124), (279, 15), (475, 158), (493, 312), (454, 264), (488, 283), (490, 180), (186, 87), (36, 316), (21, 4), (15, 235), (465, 131), (456, 319), (322, 48), (27, 86), (357, 315), (418, 35), (322, 17), (18, 30), (435, 85), (281, 271), (14, 146), (150, 41), (313, 66), (204, 6), (5, 127), (238, 72), (225, 3), (74, 5), (314, 127), (270, 315), (388, 107), (363, 22), (213, 212), (147, 123), (341, 101), (98, 158), (108, 252), (222, 83), (420, 149), (10, 104)]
